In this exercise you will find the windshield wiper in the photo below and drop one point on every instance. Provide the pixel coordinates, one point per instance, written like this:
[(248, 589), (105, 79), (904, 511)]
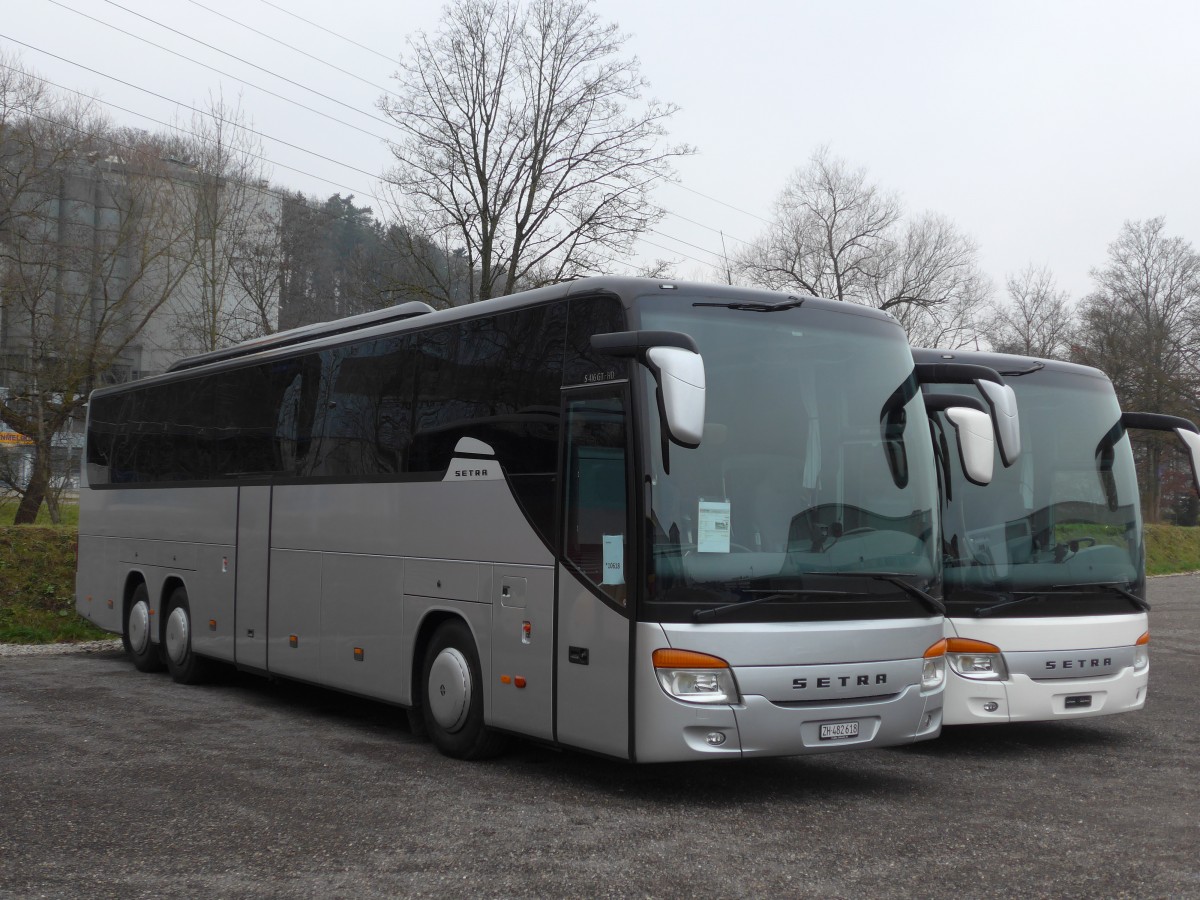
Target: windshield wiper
[(981, 611), (766, 597), (758, 306), (1113, 586), (929, 601), (1065, 590)]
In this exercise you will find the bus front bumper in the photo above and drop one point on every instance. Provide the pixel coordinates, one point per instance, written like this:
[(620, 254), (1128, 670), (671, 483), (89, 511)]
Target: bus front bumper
[(1023, 699), (758, 727)]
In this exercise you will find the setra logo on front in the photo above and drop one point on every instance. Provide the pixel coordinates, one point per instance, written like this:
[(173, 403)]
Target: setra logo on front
[(800, 684)]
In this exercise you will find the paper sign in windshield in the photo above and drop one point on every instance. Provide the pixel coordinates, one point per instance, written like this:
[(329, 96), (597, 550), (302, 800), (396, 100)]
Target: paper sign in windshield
[(614, 559), (713, 531)]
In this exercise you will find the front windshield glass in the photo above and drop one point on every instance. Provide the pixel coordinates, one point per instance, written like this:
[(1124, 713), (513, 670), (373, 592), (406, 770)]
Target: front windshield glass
[(1063, 520), (815, 471)]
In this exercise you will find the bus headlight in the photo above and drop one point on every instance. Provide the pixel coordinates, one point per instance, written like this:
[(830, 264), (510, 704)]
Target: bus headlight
[(1141, 652), (978, 660), (933, 672), (695, 677)]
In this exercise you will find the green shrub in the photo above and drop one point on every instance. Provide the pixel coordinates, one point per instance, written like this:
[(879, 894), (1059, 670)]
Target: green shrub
[(1171, 549), (37, 586)]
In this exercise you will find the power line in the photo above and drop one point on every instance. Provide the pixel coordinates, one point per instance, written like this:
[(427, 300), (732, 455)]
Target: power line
[(683, 187), (352, 190), (245, 62), (329, 31), (178, 103), (719, 231), (220, 72), (291, 47)]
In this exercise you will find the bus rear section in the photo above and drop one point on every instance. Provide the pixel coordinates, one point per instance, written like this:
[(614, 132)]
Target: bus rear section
[(1045, 580), (656, 522)]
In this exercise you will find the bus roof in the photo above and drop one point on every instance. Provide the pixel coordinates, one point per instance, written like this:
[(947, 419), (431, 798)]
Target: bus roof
[(418, 316), (1007, 364)]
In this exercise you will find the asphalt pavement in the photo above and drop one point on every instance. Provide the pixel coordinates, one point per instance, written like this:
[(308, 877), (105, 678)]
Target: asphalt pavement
[(119, 784)]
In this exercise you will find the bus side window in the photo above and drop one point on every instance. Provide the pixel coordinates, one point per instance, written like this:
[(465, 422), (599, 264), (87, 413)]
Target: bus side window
[(596, 517)]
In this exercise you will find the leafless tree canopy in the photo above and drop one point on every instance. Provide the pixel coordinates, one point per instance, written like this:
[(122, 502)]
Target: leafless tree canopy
[(1037, 320), (232, 294), (837, 235), (525, 142), (1142, 327)]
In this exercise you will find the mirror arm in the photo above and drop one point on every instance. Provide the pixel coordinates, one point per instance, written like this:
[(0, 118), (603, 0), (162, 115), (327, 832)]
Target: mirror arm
[(1185, 429)]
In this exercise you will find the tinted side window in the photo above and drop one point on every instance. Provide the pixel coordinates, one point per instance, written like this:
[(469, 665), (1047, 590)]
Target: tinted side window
[(252, 422), (496, 380), (588, 316), (365, 398)]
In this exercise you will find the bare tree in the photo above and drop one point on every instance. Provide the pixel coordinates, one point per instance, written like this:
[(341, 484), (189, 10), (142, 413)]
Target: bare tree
[(257, 261), (837, 235), (525, 143), (832, 230), (235, 219), (90, 248), (1037, 320), (1141, 325)]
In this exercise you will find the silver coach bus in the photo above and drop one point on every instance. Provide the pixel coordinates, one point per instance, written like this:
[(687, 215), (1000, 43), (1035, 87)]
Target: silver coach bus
[(1045, 569), (655, 521)]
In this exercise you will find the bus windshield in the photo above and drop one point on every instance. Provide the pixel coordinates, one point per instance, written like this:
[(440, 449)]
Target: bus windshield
[(1053, 534), (815, 471)]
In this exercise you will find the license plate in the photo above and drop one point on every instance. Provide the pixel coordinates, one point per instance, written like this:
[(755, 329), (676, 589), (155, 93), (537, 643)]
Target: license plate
[(838, 731)]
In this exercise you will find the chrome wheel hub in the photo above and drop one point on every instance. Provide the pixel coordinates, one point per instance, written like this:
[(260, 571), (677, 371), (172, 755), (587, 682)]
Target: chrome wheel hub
[(177, 635), (449, 689), (139, 627)]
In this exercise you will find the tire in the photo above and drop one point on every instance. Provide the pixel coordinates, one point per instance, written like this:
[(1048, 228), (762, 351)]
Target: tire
[(452, 699), (135, 636), (184, 665)]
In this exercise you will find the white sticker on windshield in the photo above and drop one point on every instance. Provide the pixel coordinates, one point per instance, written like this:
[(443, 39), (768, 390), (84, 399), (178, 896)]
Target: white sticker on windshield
[(614, 559), (713, 530)]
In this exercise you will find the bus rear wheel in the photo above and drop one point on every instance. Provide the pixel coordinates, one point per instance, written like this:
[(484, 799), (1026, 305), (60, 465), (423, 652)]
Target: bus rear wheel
[(453, 701), (185, 666), (146, 655)]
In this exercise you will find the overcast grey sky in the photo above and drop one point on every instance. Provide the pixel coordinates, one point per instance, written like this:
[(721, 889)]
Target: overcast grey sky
[(1038, 127)]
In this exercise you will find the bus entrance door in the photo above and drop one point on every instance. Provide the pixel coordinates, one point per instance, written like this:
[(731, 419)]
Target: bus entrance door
[(594, 627), (251, 559)]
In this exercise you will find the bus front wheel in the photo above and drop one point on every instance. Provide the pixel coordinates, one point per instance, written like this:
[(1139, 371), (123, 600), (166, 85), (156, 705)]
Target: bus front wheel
[(185, 666), (146, 655), (453, 701)]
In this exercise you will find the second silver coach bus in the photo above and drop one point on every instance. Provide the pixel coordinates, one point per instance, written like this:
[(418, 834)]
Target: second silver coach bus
[(1045, 578), (655, 521)]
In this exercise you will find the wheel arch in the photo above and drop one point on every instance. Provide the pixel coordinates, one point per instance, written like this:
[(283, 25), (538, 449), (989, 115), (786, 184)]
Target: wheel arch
[(133, 579), (429, 624), (169, 586)]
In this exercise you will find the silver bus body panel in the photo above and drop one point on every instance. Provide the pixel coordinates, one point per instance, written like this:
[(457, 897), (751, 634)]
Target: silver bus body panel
[(124, 532), (253, 572), (522, 595), (337, 579), (593, 696)]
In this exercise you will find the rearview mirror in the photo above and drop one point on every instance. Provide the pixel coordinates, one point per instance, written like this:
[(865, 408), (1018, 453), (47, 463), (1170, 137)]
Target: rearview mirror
[(1191, 440), (1184, 428), (976, 446), (678, 368), (1000, 398)]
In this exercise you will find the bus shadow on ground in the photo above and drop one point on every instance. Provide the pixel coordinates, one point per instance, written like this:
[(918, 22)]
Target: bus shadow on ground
[(720, 782), (998, 741)]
